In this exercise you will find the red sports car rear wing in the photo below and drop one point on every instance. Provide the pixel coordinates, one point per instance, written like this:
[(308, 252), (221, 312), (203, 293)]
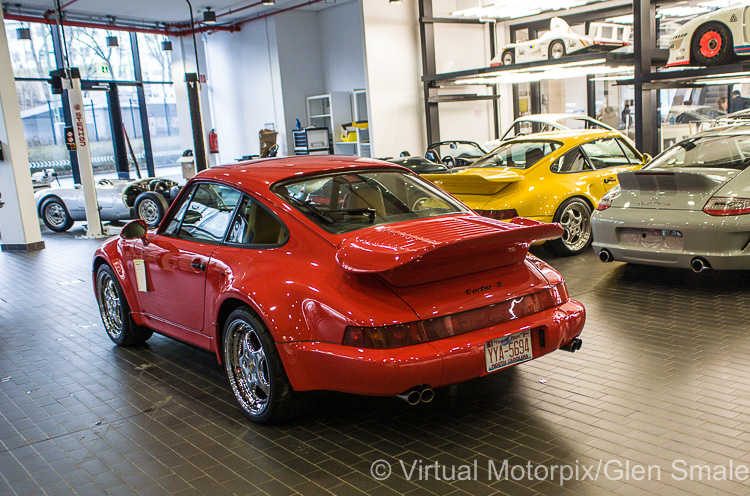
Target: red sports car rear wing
[(431, 250)]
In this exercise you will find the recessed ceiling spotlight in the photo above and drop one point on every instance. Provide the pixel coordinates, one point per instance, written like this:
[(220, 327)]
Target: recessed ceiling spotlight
[(268, 2)]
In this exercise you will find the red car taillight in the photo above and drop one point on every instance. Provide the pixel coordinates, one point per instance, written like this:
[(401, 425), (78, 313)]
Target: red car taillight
[(727, 206), (457, 323), (498, 214), (604, 204), (384, 337)]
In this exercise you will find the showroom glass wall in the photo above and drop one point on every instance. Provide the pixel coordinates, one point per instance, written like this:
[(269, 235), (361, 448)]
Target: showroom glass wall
[(42, 112)]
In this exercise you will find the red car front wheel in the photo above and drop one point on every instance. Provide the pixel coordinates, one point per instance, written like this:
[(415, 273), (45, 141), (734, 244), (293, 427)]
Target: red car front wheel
[(712, 45)]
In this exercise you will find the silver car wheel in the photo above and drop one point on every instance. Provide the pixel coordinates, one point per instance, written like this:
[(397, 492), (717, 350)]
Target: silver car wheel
[(247, 366), (111, 307), (55, 214), (507, 58), (557, 50), (576, 225), (148, 210)]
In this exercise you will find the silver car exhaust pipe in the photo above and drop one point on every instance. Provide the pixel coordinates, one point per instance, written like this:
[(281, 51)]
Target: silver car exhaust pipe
[(417, 395), (413, 396), (573, 346), (699, 265), (605, 256)]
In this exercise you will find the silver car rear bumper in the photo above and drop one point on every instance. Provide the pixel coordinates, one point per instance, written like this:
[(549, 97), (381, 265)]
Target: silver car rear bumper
[(722, 241)]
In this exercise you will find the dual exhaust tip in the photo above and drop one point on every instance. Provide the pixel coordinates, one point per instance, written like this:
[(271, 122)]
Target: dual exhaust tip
[(421, 394), (573, 346)]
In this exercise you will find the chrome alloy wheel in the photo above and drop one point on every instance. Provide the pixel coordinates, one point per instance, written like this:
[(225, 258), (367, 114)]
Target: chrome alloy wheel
[(110, 306), (507, 58), (148, 210), (55, 214), (557, 50), (576, 225), (247, 367)]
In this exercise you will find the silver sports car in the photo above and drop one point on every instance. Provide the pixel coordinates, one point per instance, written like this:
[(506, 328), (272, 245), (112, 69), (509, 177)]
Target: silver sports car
[(689, 207), (146, 199)]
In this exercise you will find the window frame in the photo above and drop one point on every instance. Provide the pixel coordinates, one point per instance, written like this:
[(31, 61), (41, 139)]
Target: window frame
[(585, 159), (189, 200), (250, 198), (591, 162)]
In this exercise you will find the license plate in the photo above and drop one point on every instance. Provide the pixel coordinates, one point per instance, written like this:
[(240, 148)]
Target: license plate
[(508, 350), (666, 239)]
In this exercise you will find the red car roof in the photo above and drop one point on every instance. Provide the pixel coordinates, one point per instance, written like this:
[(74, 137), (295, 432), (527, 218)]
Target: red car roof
[(257, 175)]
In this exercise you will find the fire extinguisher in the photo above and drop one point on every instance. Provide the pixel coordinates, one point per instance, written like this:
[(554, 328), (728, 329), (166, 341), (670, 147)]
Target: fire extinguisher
[(213, 141)]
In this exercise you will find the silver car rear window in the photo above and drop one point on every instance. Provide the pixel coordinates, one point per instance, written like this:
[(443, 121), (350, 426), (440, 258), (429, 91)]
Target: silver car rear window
[(717, 152)]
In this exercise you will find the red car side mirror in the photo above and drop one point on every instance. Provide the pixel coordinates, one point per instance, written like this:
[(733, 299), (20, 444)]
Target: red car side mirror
[(136, 229)]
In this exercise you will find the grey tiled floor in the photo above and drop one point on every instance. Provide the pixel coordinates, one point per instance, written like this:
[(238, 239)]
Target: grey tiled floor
[(663, 379)]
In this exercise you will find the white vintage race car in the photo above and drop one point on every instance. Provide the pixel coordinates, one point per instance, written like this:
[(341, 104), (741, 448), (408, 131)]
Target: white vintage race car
[(561, 40), (146, 199), (712, 39)]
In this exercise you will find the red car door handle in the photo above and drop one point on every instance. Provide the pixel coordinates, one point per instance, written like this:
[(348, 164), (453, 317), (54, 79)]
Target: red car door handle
[(197, 264)]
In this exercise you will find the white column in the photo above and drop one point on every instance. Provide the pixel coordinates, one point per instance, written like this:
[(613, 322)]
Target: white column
[(393, 68), (19, 223)]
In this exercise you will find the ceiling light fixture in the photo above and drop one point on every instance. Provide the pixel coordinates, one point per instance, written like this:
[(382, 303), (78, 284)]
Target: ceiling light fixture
[(268, 2), (209, 16), (112, 40), (23, 33), (394, 1)]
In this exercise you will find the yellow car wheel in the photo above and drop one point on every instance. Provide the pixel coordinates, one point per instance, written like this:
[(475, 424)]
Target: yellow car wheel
[(574, 215)]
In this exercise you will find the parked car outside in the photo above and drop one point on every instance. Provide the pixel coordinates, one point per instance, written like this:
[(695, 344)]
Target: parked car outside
[(336, 273)]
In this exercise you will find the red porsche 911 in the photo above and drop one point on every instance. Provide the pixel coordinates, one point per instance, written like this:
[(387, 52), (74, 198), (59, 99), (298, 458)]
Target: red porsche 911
[(336, 273)]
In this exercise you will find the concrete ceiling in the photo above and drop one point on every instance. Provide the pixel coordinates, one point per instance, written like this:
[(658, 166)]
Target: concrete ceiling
[(162, 11)]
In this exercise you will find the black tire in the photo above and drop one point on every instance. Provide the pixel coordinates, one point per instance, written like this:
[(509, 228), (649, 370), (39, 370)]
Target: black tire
[(574, 215), (150, 207), (718, 49), (556, 50), (55, 215), (115, 310), (508, 57), (254, 369)]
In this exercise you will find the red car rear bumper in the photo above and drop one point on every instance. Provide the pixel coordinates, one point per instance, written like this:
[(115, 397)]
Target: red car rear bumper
[(316, 365)]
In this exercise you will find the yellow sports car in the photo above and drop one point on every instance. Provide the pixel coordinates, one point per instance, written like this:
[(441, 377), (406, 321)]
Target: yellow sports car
[(557, 176)]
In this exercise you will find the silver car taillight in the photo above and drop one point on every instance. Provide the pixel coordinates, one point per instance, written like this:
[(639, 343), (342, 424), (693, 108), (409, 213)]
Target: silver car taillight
[(607, 199), (717, 205)]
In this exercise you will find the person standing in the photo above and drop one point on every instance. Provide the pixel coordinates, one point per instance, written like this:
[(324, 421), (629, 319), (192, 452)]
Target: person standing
[(626, 115), (738, 102)]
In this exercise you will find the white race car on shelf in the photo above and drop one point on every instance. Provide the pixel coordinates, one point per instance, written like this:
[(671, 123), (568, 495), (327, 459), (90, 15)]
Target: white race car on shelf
[(561, 40), (711, 39)]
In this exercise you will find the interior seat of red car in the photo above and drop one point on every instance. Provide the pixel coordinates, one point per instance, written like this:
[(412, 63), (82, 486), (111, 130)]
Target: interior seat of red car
[(366, 196)]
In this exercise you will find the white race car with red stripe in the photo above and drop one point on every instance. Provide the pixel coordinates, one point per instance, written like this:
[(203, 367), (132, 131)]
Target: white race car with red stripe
[(561, 40), (712, 39)]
